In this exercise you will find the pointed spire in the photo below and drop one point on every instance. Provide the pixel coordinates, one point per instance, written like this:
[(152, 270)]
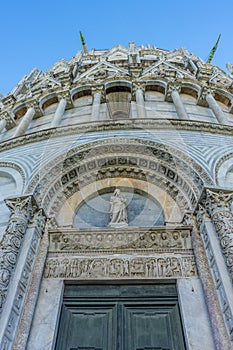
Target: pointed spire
[(83, 43), (212, 52)]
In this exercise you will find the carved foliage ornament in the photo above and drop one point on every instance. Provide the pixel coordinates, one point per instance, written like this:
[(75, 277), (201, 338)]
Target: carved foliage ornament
[(218, 206), (21, 211)]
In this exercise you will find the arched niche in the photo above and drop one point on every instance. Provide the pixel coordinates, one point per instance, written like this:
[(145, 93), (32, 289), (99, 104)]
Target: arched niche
[(189, 94), (144, 200), (223, 99), (118, 97), (154, 92), (82, 97), (141, 208)]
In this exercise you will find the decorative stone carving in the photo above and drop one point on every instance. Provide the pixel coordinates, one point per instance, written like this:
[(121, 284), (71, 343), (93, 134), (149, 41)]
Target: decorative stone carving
[(153, 239), (21, 211), (36, 226), (65, 94), (218, 206), (9, 117), (33, 103), (205, 91), (119, 267), (40, 246), (154, 164), (171, 88)]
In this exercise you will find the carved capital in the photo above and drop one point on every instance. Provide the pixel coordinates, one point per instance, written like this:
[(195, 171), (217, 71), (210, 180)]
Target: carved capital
[(21, 211), (65, 94), (9, 117), (21, 208), (206, 90), (218, 206), (218, 201), (138, 85), (97, 89), (170, 88), (35, 105)]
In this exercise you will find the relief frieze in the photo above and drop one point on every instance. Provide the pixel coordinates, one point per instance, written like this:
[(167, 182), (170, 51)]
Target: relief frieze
[(121, 267), (117, 241)]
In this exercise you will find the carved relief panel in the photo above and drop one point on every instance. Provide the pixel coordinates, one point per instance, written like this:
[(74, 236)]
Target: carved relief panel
[(117, 254)]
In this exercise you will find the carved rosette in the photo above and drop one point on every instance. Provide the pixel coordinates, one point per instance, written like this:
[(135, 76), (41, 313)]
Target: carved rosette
[(218, 206), (21, 211)]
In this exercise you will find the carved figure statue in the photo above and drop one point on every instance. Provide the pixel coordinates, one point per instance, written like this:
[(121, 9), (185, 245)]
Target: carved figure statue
[(229, 67), (118, 213)]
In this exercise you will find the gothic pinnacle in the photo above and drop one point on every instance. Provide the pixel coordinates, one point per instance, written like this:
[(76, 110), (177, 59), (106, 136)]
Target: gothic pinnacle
[(83, 43)]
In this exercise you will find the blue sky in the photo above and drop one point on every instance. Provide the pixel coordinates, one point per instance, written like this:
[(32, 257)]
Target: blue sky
[(39, 33)]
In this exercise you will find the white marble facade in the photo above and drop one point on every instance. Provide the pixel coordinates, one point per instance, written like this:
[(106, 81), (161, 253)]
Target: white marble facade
[(156, 125)]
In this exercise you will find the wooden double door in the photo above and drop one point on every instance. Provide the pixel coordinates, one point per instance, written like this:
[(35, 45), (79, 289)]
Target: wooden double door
[(120, 317)]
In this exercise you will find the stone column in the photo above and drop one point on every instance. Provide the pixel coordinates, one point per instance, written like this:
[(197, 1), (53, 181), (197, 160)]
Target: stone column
[(25, 121), (96, 106), (40, 232), (212, 302), (218, 207), (2, 125), (140, 103), (59, 113), (21, 211), (217, 234), (173, 93), (215, 108)]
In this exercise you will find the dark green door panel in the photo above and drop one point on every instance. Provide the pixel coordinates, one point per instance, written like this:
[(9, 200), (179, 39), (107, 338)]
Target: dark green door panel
[(89, 327), (120, 317)]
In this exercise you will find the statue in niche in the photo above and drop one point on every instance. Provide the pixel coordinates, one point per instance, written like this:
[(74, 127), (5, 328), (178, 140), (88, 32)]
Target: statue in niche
[(118, 213)]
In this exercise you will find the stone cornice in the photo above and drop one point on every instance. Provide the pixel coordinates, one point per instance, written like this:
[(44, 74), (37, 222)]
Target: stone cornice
[(127, 124)]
